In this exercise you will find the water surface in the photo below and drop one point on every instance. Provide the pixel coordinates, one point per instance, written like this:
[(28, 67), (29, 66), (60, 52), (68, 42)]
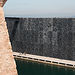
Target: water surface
[(32, 68)]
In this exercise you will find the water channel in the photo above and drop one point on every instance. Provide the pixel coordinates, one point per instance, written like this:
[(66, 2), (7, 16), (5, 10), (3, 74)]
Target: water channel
[(33, 68)]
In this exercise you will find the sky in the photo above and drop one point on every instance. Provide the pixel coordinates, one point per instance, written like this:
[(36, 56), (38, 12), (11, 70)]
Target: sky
[(40, 8)]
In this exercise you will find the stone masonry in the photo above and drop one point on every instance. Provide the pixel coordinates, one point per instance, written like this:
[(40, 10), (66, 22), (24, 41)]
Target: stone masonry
[(52, 37), (7, 63)]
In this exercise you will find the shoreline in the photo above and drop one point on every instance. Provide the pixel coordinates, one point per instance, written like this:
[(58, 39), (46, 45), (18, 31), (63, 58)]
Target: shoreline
[(45, 60)]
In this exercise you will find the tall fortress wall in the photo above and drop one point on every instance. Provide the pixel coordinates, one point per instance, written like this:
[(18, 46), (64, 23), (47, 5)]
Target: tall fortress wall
[(52, 37), (7, 62)]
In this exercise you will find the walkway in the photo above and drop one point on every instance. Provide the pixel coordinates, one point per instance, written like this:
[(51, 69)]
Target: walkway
[(49, 60)]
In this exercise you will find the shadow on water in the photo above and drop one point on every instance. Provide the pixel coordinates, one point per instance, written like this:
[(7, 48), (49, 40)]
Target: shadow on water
[(32, 68)]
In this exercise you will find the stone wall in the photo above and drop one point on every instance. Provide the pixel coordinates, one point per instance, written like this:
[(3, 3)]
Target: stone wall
[(53, 37), (7, 62)]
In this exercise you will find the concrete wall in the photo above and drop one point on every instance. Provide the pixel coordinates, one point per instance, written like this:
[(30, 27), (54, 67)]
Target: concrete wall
[(53, 37)]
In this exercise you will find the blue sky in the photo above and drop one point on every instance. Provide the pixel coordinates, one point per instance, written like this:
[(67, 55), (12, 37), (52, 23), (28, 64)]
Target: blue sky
[(40, 8)]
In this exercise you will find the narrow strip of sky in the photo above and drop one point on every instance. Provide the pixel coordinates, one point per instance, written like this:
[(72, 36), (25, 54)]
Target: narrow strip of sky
[(44, 8)]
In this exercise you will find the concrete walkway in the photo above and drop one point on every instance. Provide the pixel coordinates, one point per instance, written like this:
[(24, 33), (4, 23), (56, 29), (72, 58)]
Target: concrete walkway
[(49, 60)]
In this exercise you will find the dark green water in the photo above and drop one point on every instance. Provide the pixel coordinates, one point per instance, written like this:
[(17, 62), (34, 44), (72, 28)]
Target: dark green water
[(31, 68)]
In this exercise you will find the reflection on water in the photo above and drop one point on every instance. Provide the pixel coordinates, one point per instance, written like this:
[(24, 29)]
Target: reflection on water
[(31, 68)]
